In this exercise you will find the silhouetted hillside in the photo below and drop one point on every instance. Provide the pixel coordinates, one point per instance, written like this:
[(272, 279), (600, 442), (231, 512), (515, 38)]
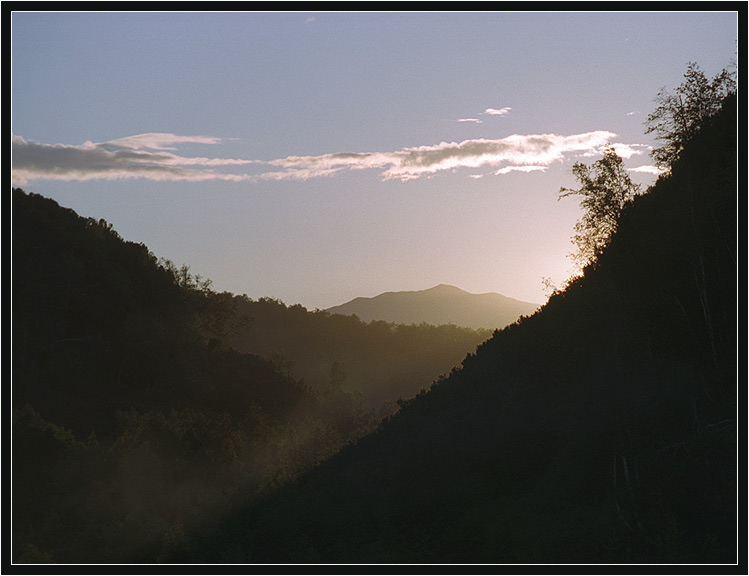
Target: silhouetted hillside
[(131, 420), (442, 304), (99, 325), (138, 413), (602, 429)]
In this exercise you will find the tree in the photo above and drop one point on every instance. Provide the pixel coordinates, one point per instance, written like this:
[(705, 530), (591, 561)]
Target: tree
[(606, 188), (679, 115)]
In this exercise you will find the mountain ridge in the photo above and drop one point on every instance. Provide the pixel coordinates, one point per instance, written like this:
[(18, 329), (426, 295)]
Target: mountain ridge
[(441, 304)]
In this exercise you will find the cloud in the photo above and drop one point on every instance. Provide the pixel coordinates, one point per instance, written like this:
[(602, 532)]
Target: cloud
[(508, 169), (410, 163), (159, 141), (625, 151), (495, 112), (488, 111), (141, 156), (152, 156), (649, 170)]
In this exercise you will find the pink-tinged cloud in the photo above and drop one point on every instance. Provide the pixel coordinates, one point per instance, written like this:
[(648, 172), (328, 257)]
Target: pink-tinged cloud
[(151, 156), (517, 150)]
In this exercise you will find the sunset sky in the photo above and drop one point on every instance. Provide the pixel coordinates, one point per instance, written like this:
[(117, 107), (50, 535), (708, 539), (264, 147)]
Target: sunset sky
[(317, 157)]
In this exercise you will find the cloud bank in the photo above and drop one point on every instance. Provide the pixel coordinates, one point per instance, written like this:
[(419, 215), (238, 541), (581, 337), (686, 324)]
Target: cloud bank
[(520, 152), (153, 156), (142, 156)]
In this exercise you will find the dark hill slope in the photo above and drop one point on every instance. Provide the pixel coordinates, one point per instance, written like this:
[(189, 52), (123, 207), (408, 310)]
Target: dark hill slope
[(131, 421), (602, 429), (143, 402), (99, 325), (442, 304)]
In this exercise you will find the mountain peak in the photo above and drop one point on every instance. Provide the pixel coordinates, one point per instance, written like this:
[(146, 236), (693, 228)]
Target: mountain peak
[(441, 304), (446, 289)]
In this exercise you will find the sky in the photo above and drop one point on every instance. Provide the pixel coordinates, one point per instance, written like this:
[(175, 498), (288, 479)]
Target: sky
[(315, 157)]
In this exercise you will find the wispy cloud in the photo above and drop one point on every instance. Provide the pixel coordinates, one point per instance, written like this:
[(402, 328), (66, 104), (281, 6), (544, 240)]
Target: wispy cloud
[(517, 150), (649, 170), (160, 141), (153, 156), (488, 112), (508, 169), (495, 112), (142, 156), (623, 150)]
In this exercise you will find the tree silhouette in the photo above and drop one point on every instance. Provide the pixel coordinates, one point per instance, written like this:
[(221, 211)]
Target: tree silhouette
[(679, 115), (606, 187)]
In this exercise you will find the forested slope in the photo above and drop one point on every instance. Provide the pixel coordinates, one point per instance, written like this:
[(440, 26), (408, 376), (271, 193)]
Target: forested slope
[(139, 413), (99, 325), (131, 419), (601, 429), (377, 362)]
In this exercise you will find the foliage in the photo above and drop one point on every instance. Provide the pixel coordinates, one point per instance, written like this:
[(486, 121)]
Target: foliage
[(606, 188), (382, 361), (139, 413), (132, 415), (679, 115)]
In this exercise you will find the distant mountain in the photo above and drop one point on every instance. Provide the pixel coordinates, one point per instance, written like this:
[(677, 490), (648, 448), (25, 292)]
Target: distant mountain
[(442, 304)]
